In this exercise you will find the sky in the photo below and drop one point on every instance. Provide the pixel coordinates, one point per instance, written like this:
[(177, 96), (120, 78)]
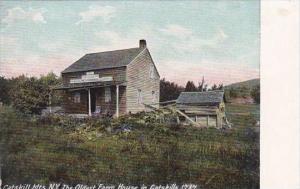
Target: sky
[(187, 40)]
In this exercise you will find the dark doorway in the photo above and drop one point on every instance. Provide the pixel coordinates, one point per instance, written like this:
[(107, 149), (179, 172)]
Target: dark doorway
[(93, 100)]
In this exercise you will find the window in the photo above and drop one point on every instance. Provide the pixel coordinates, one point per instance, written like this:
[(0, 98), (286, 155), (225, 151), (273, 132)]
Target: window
[(77, 97), (107, 94), (153, 96), (140, 97), (151, 71)]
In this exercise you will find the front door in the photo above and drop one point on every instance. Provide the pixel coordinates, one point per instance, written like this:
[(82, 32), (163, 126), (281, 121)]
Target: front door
[(93, 100)]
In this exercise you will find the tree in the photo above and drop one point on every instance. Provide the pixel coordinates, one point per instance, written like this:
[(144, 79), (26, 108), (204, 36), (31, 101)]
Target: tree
[(49, 81), (201, 85), (255, 93), (28, 95), (31, 95), (169, 90), (217, 87), (190, 87), (244, 91), (220, 87), (214, 87), (4, 90), (226, 95), (233, 93)]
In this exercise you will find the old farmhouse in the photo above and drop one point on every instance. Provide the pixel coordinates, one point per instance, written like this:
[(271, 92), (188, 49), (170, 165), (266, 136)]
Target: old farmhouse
[(205, 108), (111, 83)]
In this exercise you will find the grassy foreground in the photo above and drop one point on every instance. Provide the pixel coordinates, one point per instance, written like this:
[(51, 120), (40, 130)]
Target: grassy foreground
[(61, 149)]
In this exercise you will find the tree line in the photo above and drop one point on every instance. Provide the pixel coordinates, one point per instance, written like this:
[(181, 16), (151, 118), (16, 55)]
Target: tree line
[(170, 90), (30, 95)]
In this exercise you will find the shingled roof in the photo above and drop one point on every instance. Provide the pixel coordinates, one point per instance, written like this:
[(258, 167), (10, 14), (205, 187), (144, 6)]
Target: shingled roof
[(201, 98), (102, 60)]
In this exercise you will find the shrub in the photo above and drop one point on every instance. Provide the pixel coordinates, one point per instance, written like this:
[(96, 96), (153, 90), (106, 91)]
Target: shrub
[(255, 93), (31, 95), (64, 149), (4, 90)]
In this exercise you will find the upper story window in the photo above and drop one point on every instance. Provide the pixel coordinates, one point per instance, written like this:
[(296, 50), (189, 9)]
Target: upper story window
[(107, 94), (139, 97), (77, 97), (153, 96), (152, 72)]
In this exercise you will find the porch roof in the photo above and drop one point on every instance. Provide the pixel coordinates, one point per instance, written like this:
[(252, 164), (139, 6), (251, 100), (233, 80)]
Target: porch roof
[(88, 85)]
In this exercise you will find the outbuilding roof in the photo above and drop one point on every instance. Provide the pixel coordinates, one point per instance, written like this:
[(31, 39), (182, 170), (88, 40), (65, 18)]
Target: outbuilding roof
[(102, 60), (205, 98)]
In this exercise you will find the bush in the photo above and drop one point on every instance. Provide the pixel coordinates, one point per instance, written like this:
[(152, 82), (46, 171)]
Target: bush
[(255, 93), (64, 149), (31, 95), (4, 90)]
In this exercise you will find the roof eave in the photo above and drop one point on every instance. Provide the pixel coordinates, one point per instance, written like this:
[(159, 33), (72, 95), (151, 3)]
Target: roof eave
[(199, 104), (86, 70)]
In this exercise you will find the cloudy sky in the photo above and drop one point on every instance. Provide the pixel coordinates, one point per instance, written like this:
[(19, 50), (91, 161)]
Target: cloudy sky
[(215, 39)]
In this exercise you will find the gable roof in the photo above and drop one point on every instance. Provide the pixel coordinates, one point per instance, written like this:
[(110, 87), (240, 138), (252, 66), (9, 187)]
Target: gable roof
[(102, 60), (202, 98)]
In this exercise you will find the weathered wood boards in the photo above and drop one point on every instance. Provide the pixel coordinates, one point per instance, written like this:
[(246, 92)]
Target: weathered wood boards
[(142, 85), (129, 74), (170, 106), (205, 108)]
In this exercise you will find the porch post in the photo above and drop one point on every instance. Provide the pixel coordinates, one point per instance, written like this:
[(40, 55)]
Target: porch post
[(89, 94), (207, 120), (117, 100)]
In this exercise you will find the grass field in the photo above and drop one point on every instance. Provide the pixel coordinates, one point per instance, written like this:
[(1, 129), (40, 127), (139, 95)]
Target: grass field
[(58, 149)]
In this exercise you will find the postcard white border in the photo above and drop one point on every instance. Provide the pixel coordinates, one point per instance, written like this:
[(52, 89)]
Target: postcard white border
[(280, 130)]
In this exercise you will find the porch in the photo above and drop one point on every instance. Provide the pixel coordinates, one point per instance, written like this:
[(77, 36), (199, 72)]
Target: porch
[(89, 99)]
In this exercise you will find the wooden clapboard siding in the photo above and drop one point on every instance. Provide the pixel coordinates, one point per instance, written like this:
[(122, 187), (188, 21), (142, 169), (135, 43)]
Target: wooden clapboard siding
[(212, 121), (106, 107), (211, 116), (138, 77), (199, 112), (110, 107), (202, 120), (197, 108), (70, 106), (122, 100), (118, 74)]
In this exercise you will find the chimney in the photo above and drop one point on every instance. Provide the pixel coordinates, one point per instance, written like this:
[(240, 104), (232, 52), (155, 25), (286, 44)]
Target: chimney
[(143, 43)]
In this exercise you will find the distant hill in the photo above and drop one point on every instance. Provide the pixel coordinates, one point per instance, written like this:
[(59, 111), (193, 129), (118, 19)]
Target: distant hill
[(241, 89), (248, 84)]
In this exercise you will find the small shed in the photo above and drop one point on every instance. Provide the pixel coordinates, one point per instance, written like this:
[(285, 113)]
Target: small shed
[(206, 108)]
